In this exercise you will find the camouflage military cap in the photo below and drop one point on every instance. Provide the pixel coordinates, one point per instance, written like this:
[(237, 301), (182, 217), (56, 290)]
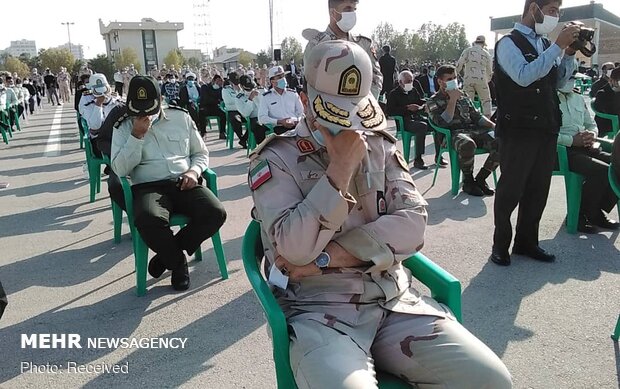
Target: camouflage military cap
[(339, 76)]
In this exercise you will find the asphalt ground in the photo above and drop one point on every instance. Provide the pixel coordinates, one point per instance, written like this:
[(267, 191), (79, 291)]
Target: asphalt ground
[(550, 323)]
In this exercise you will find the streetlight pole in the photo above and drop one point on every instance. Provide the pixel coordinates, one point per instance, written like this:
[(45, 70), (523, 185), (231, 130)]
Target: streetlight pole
[(271, 26), (69, 34)]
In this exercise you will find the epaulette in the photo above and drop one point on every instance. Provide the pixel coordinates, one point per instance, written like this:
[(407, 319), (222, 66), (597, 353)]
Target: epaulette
[(268, 92), (291, 90), (240, 95), (386, 135), (89, 103), (314, 35), (178, 108), (270, 138), (120, 120)]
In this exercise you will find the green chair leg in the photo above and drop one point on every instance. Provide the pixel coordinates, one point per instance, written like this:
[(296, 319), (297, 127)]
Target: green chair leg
[(219, 255), (573, 197), (616, 333), (455, 172), (198, 254), (407, 137), (4, 137), (117, 218)]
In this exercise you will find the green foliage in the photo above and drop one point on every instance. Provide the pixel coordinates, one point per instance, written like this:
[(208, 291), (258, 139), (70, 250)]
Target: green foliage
[(193, 63), (245, 58), (430, 43), (14, 65), (126, 57), (291, 48), (263, 58), (102, 64), (174, 58), (54, 59)]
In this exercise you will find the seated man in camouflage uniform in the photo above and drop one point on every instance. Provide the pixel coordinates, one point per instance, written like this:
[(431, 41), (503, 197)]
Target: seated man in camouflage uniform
[(450, 108), (339, 212)]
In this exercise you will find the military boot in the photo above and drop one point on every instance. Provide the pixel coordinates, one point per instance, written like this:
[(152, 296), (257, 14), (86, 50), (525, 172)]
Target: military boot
[(481, 181), (471, 187)]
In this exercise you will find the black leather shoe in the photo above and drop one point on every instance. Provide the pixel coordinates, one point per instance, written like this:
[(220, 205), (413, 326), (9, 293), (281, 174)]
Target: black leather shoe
[(419, 164), (535, 252), (471, 188), (501, 259), (244, 145), (604, 222), (222, 136), (180, 277), (156, 268), (482, 184), (442, 162)]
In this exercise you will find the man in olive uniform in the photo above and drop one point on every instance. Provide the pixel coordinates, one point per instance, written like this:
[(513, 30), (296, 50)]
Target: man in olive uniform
[(342, 19), (450, 108), (339, 212)]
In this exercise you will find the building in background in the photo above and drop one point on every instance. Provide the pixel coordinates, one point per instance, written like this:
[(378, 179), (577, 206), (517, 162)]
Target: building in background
[(23, 46), (606, 24), (151, 40), (226, 58), (192, 53), (76, 49)]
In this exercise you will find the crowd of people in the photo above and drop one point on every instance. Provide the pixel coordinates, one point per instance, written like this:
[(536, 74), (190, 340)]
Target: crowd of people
[(338, 208)]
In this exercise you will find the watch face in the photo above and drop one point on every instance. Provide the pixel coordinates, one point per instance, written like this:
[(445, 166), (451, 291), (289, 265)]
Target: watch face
[(322, 260)]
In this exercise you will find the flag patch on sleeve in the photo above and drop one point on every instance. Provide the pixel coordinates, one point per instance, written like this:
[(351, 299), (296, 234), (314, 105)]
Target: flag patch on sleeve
[(259, 175)]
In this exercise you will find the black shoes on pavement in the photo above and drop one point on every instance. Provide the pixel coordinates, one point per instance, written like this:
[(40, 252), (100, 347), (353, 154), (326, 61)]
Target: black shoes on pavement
[(180, 275), (535, 252)]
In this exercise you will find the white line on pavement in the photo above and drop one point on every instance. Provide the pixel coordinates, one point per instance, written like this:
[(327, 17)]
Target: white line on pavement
[(52, 149)]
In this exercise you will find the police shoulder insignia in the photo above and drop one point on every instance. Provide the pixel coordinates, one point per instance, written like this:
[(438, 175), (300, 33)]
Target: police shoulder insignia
[(240, 95), (120, 120), (401, 160), (177, 108), (305, 146), (259, 174)]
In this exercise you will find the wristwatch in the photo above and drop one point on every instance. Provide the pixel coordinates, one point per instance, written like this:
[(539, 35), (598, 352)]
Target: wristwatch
[(322, 261)]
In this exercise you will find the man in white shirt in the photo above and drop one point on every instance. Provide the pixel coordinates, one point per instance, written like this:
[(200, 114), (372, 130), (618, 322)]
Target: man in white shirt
[(248, 105), (578, 133), (229, 95), (280, 106)]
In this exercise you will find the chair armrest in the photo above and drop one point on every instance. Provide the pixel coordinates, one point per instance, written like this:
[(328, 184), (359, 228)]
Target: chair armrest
[(445, 131), (563, 159), (445, 288), (211, 178), (613, 181), (128, 198)]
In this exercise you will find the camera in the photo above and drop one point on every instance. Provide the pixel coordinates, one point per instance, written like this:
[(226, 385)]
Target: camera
[(584, 39)]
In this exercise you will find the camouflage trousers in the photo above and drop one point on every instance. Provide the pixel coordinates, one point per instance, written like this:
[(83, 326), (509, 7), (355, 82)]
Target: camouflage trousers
[(429, 352), (480, 87), (465, 144)]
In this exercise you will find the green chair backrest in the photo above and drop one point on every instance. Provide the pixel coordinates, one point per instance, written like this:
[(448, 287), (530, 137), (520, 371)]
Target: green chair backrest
[(615, 120)]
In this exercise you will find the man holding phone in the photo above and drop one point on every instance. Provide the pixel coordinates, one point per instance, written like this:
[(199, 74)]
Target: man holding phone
[(160, 148), (450, 108)]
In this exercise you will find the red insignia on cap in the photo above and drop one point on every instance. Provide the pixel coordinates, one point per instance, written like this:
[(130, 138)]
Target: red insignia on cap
[(305, 146)]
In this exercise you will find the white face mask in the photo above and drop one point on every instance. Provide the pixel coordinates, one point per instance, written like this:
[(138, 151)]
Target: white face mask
[(408, 87), (452, 85), (347, 21), (608, 73), (568, 87), (549, 24)]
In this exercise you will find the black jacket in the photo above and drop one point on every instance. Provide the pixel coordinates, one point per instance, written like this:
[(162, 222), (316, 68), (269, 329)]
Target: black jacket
[(423, 80), (210, 96), (607, 101), (387, 63), (398, 100), (598, 85)]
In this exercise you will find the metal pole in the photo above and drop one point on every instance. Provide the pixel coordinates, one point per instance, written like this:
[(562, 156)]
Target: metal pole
[(271, 26), (69, 34)]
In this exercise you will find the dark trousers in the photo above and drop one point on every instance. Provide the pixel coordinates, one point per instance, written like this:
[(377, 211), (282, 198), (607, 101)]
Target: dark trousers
[(31, 102), (211, 110), (281, 130), (596, 194), (115, 190), (118, 88), (155, 202), (51, 93), (20, 109), (527, 160), (236, 121), (258, 130)]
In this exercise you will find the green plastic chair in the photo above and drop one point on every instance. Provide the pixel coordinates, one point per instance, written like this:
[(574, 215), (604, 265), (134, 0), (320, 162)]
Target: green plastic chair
[(615, 185), (93, 164), (5, 126), (444, 287), (406, 136), (230, 133), (455, 170), (615, 121), (80, 133), (574, 184), (15, 116), (216, 118), (141, 250)]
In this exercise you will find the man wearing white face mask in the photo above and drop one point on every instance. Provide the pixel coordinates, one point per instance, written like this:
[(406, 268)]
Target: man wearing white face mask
[(527, 72), (339, 212), (280, 106), (602, 82), (342, 19), (578, 133)]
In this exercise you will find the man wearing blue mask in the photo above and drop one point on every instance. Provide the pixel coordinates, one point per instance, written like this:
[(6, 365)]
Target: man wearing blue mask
[(528, 70), (189, 96), (450, 108), (342, 19), (280, 106)]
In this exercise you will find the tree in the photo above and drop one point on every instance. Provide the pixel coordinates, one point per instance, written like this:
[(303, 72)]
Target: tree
[(126, 57), (102, 64), (291, 48), (384, 34), (263, 58), (14, 65), (54, 59), (245, 58), (174, 58), (193, 63)]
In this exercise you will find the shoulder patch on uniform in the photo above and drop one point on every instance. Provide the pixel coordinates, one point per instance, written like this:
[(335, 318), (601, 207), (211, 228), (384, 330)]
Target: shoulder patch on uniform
[(260, 174), (266, 93), (305, 146), (120, 120), (310, 33), (401, 160)]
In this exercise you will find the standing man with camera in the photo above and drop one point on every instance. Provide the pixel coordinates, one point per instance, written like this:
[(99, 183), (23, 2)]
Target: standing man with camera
[(528, 70)]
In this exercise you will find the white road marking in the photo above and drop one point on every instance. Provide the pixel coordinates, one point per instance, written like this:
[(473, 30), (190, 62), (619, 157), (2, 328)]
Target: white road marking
[(52, 149)]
